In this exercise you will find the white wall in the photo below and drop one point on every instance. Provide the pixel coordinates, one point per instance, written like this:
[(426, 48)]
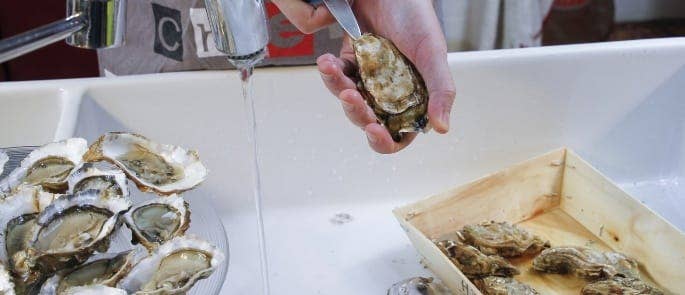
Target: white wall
[(642, 10)]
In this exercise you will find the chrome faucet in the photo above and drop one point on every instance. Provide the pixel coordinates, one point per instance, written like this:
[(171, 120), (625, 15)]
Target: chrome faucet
[(91, 24), (239, 28)]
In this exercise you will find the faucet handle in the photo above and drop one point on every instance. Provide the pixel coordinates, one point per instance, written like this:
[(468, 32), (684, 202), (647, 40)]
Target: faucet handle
[(105, 23)]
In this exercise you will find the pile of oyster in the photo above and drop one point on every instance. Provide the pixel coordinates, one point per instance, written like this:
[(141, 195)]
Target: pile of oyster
[(61, 207), (481, 251)]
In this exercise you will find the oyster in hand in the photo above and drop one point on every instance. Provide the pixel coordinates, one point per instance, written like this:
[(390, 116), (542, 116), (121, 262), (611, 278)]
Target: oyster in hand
[(618, 286), (503, 239), (475, 264), (391, 85), (503, 286), (585, 263)]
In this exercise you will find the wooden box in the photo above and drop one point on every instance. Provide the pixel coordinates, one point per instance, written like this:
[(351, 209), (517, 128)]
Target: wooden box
[(561, 198)]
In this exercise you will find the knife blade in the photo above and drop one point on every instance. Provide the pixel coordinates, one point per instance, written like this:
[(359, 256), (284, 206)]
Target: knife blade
[(342, 12)]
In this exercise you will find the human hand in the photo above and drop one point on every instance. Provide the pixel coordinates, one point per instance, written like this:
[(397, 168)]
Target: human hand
[(414, 28)]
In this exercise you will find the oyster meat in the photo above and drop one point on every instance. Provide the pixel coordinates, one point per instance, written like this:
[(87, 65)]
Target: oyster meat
[(94, 290), (164, 169), (503, 239), (418, 286), (105, 270), (110, 181), (620, 285), (6, 285), (475, 264), (72, 228), (391, 85), (503, 286), (48, 166), (159, 220), (174, 267), (585, 263), (3, 160)]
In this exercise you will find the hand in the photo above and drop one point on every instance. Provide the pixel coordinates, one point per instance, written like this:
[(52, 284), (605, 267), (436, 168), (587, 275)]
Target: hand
[(414, 28)]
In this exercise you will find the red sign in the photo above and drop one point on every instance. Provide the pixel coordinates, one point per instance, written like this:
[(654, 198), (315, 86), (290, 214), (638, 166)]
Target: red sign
[(286, 40)]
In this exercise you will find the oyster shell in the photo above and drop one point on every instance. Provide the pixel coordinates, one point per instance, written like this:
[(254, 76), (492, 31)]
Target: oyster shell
[(620, 285), (585, 263), (391, 85), (94, 290), (110, 181), (503, 239), (475, 264), (48, 166), (164, 169), (174, 267), (503, 286), (6, 285), (72, 228), (105, 270), (417, 286), (159, 220)]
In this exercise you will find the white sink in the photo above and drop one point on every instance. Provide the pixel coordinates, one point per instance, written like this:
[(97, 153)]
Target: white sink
[(620, 105)]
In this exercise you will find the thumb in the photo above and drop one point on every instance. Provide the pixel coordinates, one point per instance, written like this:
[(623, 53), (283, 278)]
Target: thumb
[(431, 62)]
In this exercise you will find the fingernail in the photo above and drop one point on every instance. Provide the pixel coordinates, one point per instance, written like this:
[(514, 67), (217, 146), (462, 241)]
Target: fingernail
[(445, 118), (372, 138), (348, 107)]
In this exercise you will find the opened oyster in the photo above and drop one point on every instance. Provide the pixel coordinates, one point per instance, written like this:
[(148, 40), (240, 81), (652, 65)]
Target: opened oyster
[(475, 264), (416, 286), (503, 239), (391, 85), (585, 263), (3, 160), (159, 220), (94, 290), (72, 228), (48, 166), (110, 181), (6, 285), (620, 285), (503, 286), (105, 270), (164, 169), (173, 268)]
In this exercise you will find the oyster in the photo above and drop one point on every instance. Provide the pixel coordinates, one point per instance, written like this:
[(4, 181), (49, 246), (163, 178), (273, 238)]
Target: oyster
[(503, 286), (72, 228), (475, 264), (173, 268), (391, 85), (417, 286), (619, 285), (48, 166), (105, 270), (109, 180), (586, 263), (503, 239), (3, 160), (159, 220), (6, 285), (164, 169), (94, 290)]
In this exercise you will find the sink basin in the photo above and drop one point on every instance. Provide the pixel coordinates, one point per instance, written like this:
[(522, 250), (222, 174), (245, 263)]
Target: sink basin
[(327, 198)]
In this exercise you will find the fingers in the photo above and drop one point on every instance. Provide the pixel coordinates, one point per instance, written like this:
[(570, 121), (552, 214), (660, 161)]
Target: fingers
[(307, 18), (356, 109), (381, 141), (332, 70)]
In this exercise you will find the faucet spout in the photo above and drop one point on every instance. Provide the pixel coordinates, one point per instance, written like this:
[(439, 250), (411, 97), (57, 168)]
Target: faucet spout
[(239, 28)]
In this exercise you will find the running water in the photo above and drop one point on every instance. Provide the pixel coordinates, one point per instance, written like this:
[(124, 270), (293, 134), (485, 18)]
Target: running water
[(245, 68)]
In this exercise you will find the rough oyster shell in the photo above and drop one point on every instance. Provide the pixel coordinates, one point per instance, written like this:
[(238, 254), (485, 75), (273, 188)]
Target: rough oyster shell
[(6, 285), (620, 285), (104, 270), (3, 160), (503, 286), (475, 264), (503, 239), (391, 85), (174, 267), (417, 286), (94, 290), (164, 169), (48, 166), (72, 228), (585, 263), (158, 220), (110, 181)]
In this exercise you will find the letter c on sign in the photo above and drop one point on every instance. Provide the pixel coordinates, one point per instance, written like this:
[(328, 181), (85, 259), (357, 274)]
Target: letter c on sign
[(160, 32)]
